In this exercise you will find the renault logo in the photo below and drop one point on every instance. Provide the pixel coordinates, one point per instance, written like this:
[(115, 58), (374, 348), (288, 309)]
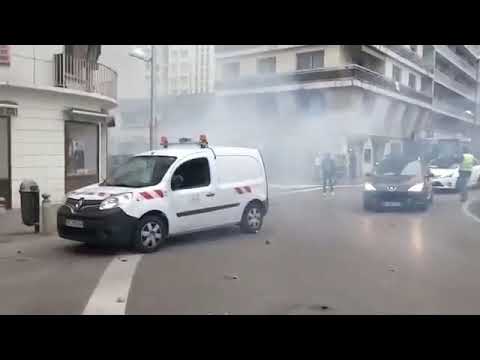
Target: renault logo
[(391, 188), (79, 204)]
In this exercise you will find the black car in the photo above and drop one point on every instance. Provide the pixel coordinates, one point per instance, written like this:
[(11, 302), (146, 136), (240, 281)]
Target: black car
[(398, 184)]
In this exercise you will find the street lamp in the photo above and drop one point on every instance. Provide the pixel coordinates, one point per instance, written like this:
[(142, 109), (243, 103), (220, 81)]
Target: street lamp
[(140, 54)]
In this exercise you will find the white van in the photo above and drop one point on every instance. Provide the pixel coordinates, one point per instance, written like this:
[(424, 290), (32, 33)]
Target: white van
[(183, 187)]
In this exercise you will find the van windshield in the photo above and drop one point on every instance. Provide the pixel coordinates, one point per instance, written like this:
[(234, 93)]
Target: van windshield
[(140, 171)]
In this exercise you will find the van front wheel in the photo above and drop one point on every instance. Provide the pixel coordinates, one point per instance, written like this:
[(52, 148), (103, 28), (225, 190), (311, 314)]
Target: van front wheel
[(150, 235), (252, 219)]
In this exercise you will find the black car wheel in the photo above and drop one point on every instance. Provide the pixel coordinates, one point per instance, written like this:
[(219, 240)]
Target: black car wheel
[(150, 235), (252, 218)]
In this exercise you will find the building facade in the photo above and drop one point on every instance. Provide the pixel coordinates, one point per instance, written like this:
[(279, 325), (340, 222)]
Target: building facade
[(369, 99), (191, 69), (54, 115)]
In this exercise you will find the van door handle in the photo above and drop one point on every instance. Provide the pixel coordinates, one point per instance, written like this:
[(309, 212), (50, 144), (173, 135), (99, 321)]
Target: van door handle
[(210, 194)]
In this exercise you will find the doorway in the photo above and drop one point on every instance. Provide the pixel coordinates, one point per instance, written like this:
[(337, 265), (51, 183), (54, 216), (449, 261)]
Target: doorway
[(5, 175)]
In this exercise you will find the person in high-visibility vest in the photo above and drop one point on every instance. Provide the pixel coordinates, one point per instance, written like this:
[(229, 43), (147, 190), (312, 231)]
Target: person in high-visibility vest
[(465, 171)]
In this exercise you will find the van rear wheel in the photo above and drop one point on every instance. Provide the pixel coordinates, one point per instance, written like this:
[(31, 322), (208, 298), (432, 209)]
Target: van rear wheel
[(151, 233), (252, 219)]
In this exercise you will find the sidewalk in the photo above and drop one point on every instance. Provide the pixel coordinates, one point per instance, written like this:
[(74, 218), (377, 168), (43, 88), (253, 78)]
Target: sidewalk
[(11, 226)]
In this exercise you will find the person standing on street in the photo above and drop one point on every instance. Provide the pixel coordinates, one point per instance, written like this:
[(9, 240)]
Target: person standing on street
[(352, 163), (328, 173), (317, 167), (465, 171)]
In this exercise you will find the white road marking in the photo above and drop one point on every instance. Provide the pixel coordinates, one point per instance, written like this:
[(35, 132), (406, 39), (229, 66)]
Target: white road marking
[(467, 211), (319, 188), (111, 294)]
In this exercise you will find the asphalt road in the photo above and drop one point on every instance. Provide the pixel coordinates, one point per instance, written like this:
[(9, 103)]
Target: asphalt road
[(313, 256)]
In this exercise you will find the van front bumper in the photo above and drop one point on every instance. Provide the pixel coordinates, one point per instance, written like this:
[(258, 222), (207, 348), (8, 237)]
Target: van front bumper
[(101, 227)]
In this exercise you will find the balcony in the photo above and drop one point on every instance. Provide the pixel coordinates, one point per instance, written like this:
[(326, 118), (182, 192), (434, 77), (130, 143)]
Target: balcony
[(80, 74), (410, 55), (452, 110), (75, 74), (348, 72), (454, 85), (455, 59)]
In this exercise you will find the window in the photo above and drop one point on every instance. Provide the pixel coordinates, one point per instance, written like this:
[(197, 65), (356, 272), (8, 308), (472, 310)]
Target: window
[(412, 169), (233, 169), (414, 48), (231, 70), (412, 81), (81, 154), (310, 60), (195, 173), (140, 171), (266, 65), (396, 73)]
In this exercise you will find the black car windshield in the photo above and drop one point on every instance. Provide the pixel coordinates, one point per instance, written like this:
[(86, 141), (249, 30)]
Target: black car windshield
[(398, 167), (140, 171), (446, 162)]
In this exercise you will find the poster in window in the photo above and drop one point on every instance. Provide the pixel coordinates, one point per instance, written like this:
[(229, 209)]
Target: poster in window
[(82, 149)]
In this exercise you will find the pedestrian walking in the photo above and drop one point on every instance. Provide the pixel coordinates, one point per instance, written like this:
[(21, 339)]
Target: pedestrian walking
[(328, 174), (465, 171), (352, 163), (317, 168)]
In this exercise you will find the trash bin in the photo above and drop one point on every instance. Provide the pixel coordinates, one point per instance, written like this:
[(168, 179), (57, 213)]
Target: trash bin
[(30, 203)]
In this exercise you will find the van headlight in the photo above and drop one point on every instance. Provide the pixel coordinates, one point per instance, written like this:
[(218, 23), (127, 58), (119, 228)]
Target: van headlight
[(416, 188), (116, 201), (369, 187)]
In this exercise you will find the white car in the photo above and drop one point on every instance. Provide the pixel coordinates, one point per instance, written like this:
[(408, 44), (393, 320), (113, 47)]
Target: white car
[(446, 178), (184, 187)]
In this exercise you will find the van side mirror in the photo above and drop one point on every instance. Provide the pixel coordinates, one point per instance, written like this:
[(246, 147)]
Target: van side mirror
[(177, 182)]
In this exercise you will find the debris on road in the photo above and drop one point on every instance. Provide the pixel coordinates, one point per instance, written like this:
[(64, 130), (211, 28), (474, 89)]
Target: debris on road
[(267, 242), (120, 299), (391, 269), (19, 251), (231, 277), (123, 259)]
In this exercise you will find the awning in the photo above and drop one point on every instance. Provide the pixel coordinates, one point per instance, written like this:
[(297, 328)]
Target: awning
[(80, 114), (8, 108)]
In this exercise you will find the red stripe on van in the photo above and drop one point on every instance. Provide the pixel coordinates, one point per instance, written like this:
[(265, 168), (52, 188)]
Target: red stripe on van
[(247, 188), (159, 193), (239, 190), (146, 195)]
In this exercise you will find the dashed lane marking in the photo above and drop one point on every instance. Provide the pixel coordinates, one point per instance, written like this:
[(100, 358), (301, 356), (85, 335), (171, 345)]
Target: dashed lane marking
[(111, 294)]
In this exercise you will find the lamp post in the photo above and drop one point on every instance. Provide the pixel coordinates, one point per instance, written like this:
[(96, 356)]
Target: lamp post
[(140, 54)]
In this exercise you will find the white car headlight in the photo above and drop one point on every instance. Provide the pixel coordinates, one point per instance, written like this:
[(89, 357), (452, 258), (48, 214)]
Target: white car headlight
[(417, 188), (369, 187), (115, 201)]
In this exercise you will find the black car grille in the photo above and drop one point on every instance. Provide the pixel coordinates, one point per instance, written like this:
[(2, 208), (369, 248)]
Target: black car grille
[(85, 203)]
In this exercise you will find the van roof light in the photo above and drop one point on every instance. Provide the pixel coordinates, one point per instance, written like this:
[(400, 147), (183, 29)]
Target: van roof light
[(164, 141), (203, 141)]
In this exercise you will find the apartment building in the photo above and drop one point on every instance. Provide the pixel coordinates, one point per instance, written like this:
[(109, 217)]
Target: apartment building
[(191, 69), (371, 99), (54, 116)]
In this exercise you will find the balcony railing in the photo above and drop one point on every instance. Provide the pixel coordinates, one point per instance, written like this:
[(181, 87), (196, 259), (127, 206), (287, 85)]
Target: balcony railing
[(453, 57), (459, 111), (454, 85), (348, 72), (410, 55), (81, 74)]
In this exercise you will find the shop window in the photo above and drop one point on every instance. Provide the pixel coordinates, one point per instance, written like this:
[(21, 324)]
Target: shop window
[(81, 154)]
